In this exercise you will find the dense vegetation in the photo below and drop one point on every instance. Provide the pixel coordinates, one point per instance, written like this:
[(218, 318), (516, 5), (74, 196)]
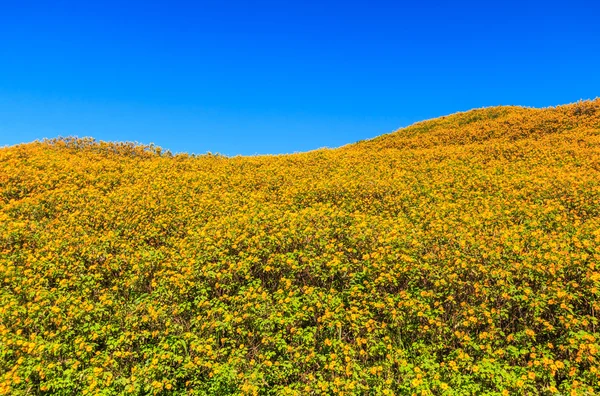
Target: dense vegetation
[(457, 256)]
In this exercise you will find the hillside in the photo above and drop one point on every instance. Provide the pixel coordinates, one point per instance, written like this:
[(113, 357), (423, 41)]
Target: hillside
[(460, 255)]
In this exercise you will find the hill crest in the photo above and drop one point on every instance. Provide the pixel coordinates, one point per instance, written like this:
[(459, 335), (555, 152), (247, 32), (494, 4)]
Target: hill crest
[(504, 123), (508, 123)]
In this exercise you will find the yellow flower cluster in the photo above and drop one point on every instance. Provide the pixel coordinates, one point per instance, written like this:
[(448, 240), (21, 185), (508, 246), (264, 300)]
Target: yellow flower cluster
[(456, 256)]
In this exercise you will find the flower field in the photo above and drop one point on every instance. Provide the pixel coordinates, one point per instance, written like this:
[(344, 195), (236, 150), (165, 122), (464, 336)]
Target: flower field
[(457, 256)]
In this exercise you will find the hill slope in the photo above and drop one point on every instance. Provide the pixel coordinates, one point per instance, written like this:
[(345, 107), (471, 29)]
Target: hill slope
[(457, 256)]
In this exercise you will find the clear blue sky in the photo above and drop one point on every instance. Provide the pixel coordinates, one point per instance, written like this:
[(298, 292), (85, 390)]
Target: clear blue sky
[(275, 76)]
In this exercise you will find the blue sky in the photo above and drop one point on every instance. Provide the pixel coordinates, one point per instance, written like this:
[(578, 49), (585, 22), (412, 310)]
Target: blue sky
[(278, 77)]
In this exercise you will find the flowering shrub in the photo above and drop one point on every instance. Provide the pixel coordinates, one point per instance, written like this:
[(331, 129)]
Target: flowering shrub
[(457, 256)]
